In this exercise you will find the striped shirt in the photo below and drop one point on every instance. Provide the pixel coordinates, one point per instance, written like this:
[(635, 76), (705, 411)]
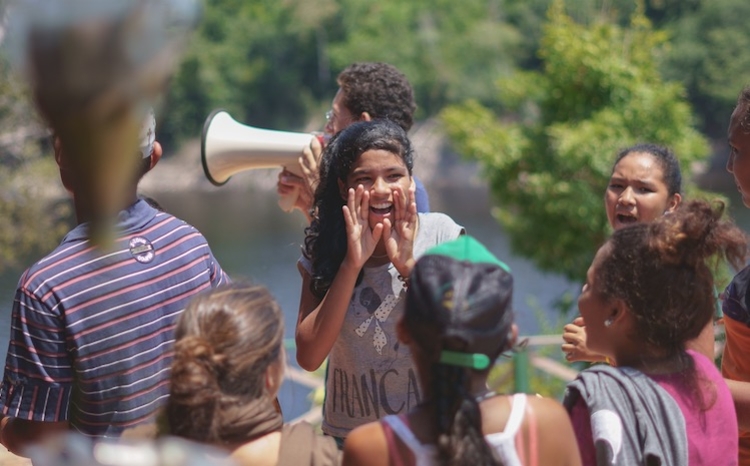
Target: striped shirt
[(92, 329)]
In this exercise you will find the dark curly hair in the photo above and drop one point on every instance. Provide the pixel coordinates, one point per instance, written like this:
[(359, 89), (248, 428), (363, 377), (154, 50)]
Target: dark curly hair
[(666, 159), (224, 342), (379, 89), (663, 272), (325, 238), (457, 306)]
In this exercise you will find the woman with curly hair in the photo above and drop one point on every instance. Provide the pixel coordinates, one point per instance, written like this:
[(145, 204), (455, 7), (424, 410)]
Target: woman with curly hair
[(648, 292), (362, 243)]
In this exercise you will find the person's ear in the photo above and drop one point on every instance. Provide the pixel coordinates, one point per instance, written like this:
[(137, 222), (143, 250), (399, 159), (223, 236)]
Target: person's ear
[(618, 312), (156, 154), (513, 336), (67, 177), (674, 202), (364, 116), (57, 148), (274, 375)]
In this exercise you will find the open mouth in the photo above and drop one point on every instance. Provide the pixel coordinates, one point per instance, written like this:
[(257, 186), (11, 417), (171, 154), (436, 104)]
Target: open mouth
[(381, 209), (626, 218)]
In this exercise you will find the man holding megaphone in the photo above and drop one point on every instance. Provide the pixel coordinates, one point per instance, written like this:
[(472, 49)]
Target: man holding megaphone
[(366, 91)]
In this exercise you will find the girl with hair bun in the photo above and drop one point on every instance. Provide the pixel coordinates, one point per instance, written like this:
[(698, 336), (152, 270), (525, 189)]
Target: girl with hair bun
[(648, 292), (645, 184), (228, 367), (457, 321)]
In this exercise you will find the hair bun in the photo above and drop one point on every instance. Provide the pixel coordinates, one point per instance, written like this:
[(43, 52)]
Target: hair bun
[(197, 368), (692, 234)]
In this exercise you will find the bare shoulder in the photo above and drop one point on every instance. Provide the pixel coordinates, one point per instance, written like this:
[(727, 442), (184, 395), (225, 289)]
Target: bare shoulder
[(366, 446), (557, 441), (547, 409)]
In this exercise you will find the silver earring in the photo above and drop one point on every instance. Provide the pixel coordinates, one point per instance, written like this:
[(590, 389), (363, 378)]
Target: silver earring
[(608, 322)]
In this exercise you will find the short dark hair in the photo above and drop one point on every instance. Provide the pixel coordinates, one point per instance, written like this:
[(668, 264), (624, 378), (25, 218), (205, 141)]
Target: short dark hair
[(379, 89)]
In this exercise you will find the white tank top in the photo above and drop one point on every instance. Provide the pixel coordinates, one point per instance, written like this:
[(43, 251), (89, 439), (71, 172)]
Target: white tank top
[(503, 442)]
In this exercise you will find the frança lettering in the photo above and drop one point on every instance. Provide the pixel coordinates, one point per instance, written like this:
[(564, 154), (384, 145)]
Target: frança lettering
[(366, 395)]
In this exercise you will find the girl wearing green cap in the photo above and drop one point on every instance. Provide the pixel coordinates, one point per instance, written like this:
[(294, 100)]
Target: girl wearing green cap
[(457, 321)]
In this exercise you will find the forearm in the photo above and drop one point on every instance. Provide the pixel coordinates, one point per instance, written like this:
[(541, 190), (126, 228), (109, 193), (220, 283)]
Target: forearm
[(741, 396), (317, 331), (16, 434)]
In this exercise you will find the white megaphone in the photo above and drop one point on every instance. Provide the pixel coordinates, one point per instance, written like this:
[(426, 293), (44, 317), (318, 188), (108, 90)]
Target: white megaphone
[(229, 147)]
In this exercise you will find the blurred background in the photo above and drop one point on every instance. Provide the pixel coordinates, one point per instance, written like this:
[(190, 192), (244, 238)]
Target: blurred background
[(522, 107)]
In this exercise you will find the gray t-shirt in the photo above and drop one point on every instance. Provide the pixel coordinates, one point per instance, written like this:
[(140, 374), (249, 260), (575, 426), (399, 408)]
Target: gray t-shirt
[(369, 374)]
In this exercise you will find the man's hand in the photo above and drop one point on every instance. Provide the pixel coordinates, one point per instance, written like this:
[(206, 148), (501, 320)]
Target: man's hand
[(306, 184)]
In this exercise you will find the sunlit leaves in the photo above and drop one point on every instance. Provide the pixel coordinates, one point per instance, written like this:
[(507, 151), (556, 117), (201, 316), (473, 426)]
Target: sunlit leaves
[(598, 91)]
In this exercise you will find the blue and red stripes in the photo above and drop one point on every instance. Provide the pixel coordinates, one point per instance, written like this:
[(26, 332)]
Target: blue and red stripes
[(92, 331)]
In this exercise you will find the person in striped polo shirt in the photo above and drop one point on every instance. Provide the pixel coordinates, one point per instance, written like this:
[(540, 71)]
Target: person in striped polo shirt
[(92, 328)]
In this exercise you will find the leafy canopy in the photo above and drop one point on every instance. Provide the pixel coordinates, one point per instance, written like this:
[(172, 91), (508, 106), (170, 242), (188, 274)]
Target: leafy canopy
[(599, 91)]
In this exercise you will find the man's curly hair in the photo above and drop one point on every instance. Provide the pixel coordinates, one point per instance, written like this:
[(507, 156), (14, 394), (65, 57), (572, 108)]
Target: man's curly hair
[(380, 90)]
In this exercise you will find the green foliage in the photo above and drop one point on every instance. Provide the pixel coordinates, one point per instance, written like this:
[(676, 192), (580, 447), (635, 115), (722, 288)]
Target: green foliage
[(449, 50), (258, 59), (501, 378), (33, 221), (273, 63), (599, 91), (710, 55)]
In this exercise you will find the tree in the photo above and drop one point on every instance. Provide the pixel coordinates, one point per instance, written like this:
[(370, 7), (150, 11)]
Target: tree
[(33, 217), (450, 51), (710, 55), (258, 59), (273, 63), (599, 91)]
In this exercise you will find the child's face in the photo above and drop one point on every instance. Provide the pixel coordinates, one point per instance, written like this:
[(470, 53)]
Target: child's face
[(381, 173), (637, 191), (739, 154)]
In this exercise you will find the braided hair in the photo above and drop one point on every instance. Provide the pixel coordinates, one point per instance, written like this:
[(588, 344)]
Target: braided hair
[(465, 307)]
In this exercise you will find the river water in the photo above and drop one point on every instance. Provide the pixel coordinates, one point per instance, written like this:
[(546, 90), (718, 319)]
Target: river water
[(253, 239)]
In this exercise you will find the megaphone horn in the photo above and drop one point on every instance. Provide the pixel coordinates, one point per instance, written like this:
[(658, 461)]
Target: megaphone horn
[(229, 147)]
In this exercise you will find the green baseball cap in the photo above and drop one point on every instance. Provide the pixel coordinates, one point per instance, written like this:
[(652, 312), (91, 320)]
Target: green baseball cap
[(468, 291)]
